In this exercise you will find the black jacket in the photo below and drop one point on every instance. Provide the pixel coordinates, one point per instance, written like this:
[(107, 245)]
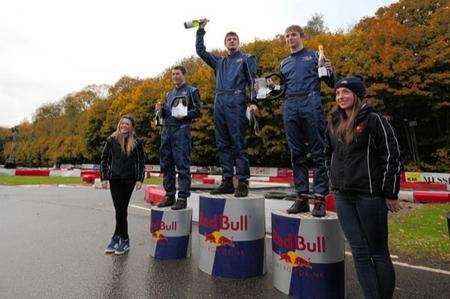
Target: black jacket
[(116, 164), (371, 163)]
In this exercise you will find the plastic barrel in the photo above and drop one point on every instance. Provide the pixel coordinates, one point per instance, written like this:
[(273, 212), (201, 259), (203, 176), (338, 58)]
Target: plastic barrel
[(170, 233), (308, 255), (231, 236)]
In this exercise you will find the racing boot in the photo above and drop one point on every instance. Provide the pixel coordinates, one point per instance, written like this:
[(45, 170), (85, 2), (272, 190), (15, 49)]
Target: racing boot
[(167, 202), (242, 189), (319, 209), (180, 204), (226, 187), (300, 205)]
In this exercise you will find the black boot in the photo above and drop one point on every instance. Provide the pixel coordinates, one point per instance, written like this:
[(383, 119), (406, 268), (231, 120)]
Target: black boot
[(301, 205), (226, 187), (167, 202), (242, 189), (320, 206), (180, 204)]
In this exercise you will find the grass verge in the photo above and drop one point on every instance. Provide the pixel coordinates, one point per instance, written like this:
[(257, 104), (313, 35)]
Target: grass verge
[(421, 233), (39, 180)]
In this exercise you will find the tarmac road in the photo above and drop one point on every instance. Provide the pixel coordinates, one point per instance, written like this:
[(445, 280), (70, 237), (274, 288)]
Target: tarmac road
[(52, 242)]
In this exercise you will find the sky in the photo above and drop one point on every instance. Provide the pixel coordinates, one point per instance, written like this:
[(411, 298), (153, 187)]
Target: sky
[(50, 48)]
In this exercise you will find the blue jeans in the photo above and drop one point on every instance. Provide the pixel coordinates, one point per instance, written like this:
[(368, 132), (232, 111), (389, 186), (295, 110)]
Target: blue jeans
[(363, 219)]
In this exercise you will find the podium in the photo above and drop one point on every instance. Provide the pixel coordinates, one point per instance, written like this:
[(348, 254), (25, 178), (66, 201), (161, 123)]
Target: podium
[(231, 235), (170, 233), (308, 255)]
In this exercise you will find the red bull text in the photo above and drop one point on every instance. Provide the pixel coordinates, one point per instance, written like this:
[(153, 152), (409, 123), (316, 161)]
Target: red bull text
[(295, 242), (223, 222), (161, 225)]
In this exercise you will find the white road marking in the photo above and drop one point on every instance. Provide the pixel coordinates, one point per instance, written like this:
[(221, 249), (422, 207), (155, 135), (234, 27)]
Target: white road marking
[(140, 208), (440, 271)]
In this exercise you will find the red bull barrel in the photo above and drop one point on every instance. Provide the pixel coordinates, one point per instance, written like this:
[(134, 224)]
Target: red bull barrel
[(170, 233), (308, 255), (231, 233)]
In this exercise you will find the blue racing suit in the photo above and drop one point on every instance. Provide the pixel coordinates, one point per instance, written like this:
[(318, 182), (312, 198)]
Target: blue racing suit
[(233, 73), (176, 141), (304, 120)]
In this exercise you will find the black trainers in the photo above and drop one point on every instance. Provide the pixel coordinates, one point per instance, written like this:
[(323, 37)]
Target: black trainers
[(167, 202), (300, 205), (180, 204), (226, 187), (242, 189), (320, 206)]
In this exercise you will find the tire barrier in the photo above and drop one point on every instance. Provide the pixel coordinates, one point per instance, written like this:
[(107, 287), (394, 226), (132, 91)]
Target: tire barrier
[(431, 197), (32, 172), (154, 194)]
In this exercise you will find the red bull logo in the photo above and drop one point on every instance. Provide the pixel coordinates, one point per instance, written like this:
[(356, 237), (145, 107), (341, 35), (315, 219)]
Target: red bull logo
[(223, 222), (161, 225), (295, 242), (159, 236), (294, 260), (218, 239)]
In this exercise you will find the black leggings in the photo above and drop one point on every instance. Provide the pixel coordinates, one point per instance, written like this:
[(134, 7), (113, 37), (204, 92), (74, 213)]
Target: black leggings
[(121, 193)]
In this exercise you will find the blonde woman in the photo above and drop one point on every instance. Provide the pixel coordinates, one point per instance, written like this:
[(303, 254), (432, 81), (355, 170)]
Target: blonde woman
[(123, 166)]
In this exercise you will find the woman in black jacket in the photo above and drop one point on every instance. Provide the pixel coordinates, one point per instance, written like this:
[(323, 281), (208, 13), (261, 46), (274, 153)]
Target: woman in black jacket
[(123, 166), (364, 169)]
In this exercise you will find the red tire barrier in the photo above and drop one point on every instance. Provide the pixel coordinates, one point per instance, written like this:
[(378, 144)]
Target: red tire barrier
[(89, 178), (33, 172), (154, 194), (279, 179), (431, 197), (331, 204), (91, 172), (199, 176), (208, 181), (423, 186), (285, 172)]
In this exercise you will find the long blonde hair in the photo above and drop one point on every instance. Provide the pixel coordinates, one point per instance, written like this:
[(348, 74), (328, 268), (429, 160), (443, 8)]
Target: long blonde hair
[(345, 131), (127, 142)]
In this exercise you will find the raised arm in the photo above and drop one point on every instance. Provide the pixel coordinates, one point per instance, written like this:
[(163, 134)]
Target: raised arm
[(207, 57)]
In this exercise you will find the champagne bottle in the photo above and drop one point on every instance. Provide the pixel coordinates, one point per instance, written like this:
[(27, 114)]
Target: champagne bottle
[(322, 70), (191, 24)]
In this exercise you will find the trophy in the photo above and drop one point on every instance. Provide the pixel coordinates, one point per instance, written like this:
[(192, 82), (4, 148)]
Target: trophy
[(252, 120), (158, 121), (179, 107), (322, 70), (269, 87)]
